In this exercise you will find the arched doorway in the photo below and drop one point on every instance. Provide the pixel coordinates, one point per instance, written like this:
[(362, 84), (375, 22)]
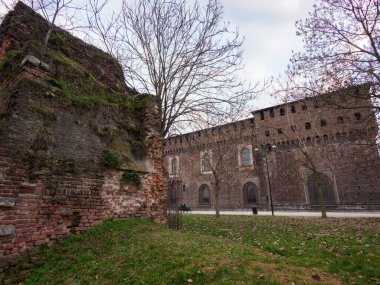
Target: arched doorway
[(204, 195), (326, 187), (250, 194)]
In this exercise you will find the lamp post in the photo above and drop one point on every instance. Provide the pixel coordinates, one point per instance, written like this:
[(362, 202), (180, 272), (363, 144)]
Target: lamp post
[(265, 150)]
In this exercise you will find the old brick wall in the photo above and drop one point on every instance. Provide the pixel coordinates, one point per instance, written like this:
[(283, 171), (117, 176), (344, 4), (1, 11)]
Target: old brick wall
[(52, 180), (340, 142)]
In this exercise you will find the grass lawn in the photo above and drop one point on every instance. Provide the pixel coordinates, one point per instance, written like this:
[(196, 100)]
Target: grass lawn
[(228, 250)]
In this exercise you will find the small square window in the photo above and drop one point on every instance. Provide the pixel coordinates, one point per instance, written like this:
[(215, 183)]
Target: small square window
[(267, 133), (323, 123), (339, 120), (308, 126), (280, 131), (358, 116)]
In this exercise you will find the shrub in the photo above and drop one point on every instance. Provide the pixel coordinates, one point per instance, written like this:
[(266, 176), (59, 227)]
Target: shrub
[(131, 177), (110, 159)]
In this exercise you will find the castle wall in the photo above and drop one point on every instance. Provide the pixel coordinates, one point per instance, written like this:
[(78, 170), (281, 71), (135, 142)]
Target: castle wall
[(328, 129)]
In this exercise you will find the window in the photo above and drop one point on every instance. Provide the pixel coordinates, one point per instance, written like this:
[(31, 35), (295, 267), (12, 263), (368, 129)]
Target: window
[(293, 128), (339, 120), (174, 166), (267, 133), (206, 163), (279, 131), (245, 155), (282, 111), (357, 116), (271, 113), (261, 115), (204, 195), (323, 123), (183, 188), (304, 107), (308, 126), (293, 108)]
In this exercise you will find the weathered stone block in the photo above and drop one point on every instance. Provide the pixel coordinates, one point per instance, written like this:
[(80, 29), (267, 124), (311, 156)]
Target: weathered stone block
[(7, 202), (32, 60), (7, 230)]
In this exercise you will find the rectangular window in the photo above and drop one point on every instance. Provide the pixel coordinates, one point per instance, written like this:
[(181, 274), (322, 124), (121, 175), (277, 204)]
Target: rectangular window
[(183, 188), (293, 108), (245, 157), (261, 115), (267, 133), (308, 126), (174, 166), (282, 111), (280, 131), (293, 128), (323, 123), (206, 163), (271, 113)]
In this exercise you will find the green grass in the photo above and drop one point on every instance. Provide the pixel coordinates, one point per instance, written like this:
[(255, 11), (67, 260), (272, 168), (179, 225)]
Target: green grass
[(229, 250), (347, 247)]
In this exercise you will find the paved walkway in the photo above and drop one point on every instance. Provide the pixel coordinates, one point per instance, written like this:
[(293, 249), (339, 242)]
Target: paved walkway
[(375, 214)]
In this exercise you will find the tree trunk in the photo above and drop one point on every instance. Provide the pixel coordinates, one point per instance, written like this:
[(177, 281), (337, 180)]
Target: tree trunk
[(321, 200), (48, 34), (217, 214)]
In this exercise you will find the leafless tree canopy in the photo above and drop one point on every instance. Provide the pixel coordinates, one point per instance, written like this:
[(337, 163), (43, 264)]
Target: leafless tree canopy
[(181, 52), (342, 45)]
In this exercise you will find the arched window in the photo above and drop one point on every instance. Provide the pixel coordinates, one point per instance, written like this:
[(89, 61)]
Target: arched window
[(324, 184), (206, 163), (174, 166), (204, 195), (245, 155), (250, 193)]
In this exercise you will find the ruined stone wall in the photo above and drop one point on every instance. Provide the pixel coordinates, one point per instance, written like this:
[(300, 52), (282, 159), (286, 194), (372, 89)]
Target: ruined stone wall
[(336, 136), (59, 119)]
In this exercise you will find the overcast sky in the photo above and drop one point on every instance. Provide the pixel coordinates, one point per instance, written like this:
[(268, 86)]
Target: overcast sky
[(270, 35)]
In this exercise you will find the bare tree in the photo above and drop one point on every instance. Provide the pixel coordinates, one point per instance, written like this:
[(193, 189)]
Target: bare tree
[(304, 149), (341, 49), (182, 53), (217, 160)]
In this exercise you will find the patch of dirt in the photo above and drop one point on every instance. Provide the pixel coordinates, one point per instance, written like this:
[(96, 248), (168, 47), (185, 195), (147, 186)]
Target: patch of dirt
[(287, 274)]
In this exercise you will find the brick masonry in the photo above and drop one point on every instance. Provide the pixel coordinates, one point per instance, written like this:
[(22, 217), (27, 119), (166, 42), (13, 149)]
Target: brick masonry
[(342, 147), (51, 182)]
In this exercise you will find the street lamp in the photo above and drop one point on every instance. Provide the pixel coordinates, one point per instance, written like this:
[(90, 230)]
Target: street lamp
[(265, 150)]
